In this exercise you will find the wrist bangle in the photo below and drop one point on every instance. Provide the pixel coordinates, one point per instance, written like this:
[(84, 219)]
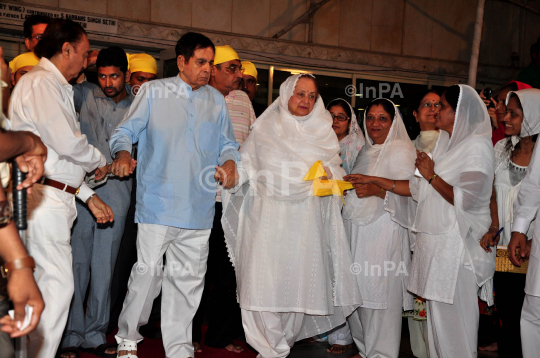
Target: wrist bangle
[(393, 187), (433, 177), (90, 198), (494, 227), (18, 264)]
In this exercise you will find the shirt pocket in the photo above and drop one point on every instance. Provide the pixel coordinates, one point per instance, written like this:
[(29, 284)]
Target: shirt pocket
[(209, 137)]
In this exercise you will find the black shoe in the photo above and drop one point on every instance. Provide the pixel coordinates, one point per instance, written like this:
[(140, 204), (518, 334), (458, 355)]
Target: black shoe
[(150, 331)]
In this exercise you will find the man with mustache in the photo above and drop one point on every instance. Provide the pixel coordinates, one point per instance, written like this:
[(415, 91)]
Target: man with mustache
[(186, 144), (42, 104), (95, 247), (225, 321)]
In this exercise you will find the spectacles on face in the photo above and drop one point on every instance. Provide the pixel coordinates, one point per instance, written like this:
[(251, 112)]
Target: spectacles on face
[(430, 104), (232, 69), (339, 117)]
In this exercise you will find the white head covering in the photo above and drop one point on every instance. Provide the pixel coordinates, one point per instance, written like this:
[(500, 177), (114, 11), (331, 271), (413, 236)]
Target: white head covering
[(351, 144), (465, 161), (394, 159), (285, 146), (530, 102)]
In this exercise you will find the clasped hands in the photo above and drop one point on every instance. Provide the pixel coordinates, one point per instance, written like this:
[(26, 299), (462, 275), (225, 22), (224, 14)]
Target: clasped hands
[(227, 174), (122, 166), (363, 185)]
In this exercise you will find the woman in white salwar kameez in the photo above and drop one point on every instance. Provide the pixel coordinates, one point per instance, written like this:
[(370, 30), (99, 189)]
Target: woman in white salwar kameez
[(449, 267), (288, 246), (512, 158), (375, 220), (351, 140)]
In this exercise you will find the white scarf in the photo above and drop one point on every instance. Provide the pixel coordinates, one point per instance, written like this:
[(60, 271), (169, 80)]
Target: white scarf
[(530, 102), (282, 147), (394, 159), (465, 161)]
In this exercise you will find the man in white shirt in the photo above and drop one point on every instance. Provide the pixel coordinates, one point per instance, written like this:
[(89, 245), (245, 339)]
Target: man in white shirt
[(42, 103)]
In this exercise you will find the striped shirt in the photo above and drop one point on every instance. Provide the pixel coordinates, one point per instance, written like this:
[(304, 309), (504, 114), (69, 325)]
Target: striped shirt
[(242, 118)]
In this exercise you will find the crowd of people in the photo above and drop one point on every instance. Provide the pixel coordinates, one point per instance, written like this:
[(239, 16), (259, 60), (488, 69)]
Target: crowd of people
[(149, 198)]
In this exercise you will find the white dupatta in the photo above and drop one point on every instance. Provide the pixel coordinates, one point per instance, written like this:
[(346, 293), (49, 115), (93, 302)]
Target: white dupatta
[(465, 161), (394, 159)]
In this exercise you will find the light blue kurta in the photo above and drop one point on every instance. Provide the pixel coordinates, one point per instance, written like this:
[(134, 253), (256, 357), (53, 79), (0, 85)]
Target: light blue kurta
[(182, 135)]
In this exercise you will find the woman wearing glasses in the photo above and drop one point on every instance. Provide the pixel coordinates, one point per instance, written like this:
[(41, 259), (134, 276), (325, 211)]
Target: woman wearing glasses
[(425, 115), (375, 220), (449, 267), (351, 140), (289, 246)]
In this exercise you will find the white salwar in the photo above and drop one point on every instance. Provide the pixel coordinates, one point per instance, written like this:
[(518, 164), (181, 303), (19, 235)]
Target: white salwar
[(525, 211), (288, 247), (380, 244), (449, 266)]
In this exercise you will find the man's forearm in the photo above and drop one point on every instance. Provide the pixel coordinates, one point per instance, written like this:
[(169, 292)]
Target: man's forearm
[(11, 246), (13, 144)]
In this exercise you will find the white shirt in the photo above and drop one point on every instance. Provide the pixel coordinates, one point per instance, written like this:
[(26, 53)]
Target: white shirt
[(525, 210), (42, 103)]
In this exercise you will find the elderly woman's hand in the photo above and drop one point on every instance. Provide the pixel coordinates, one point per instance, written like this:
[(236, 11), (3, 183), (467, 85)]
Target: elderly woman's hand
[(425, 165), (358, 179), (367, 190)]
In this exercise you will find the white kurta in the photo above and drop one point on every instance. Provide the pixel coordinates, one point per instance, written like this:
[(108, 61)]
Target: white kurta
[(380, 249), (435, 265), (506, 193)]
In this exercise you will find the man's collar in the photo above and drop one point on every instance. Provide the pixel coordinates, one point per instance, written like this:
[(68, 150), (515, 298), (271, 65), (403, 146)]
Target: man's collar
[(49, 66)]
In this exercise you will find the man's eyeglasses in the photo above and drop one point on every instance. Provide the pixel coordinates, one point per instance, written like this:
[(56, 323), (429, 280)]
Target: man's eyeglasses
[(430, 104), (340, 117), (232, 69)]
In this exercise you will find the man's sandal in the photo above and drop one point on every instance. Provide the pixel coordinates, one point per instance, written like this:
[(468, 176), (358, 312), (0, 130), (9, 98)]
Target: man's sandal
[(127, 349)]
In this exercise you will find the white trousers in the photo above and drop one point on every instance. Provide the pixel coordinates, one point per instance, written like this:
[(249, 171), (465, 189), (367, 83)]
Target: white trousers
[(377, 332), (419, 338), (453, 328), (341, 335), (530, 327), (51, 213), (181, 282), (272, 334)]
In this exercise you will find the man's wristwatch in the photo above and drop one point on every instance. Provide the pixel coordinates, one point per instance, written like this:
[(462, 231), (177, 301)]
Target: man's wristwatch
[(18, 264), (6, 212)]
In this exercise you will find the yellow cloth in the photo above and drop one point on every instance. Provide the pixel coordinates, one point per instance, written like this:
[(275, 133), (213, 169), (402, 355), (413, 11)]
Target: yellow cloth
[(249, 69), (26, 59), (325, 187), (225, 53), (142, 62)]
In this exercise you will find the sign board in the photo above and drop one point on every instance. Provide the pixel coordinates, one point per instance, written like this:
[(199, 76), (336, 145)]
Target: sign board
[(91, 23)]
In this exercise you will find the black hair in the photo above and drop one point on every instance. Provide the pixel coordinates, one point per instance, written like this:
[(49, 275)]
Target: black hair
[(386, 104), (113, 56), (509, 145), (58, 32), (452, 96), (311, 77), (190, 42), (32, 21), (343, 104)]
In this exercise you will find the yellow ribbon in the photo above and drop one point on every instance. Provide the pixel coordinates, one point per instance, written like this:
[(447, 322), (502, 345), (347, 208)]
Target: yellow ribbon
[(325, 187)]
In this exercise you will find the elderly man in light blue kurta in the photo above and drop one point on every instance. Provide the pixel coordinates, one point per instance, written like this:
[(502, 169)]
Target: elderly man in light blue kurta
[(186, 143)]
